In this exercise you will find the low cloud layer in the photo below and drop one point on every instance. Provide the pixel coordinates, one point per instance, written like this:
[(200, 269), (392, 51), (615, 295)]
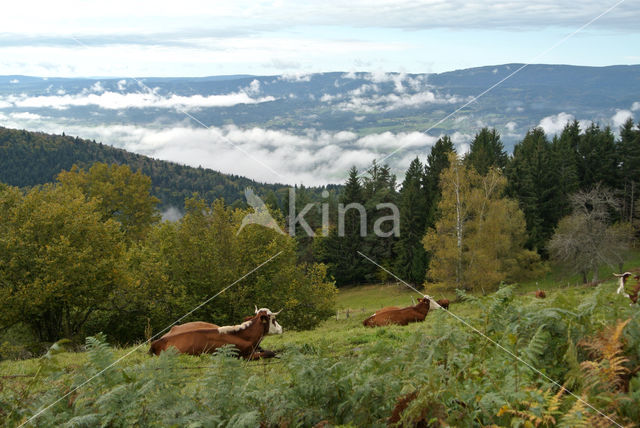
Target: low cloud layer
[(97, 96), (315, 158), (115, 100)]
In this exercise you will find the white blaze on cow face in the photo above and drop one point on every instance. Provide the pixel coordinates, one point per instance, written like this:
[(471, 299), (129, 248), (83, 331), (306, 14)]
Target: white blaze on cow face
[(621, 281), (274, 327)]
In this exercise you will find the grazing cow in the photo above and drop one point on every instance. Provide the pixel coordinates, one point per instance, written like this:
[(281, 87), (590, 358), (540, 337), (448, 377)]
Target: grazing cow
[(622, 281), (540, 294), (401, 316), (245, 337), (443, 303)]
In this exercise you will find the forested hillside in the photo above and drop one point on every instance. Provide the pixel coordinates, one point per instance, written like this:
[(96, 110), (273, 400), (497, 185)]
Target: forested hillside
[(31, 158)]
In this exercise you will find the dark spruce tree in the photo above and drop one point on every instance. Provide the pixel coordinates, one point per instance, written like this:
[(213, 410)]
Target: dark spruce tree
[(340, 249), (629, 151), (565, 165), (379, 187), (411, 262), (597, 158), (486, 151), (437, 161), (534, 182)]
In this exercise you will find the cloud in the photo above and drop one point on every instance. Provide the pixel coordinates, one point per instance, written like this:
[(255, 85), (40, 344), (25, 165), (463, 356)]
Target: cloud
[(97, 87), (25, 116), (295, 77), (115, 101), (253, 88), (394, 101), (635, 106), (122, 85), (511, 126), (14, 81), (621, 117), (313, 158), (555, 124), (172, 214)]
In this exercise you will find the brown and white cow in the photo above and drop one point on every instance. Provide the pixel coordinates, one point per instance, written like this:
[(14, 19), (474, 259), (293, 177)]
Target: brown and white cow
[(540, 294), (622, 281), (400, 316), (196, 325), (246, 337)]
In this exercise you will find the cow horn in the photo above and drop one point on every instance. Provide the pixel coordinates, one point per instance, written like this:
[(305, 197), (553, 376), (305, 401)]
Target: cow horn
[(276, 313), (256, 309)]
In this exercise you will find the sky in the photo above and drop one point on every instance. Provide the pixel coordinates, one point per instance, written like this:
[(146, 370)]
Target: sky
[(71, 38)]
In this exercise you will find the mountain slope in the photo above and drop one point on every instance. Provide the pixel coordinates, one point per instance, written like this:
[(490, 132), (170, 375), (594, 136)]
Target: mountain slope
[(32, 158)]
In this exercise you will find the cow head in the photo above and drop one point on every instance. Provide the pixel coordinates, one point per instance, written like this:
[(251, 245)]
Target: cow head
[(429, 300), (621, 282), (268, 317), (426, 300)]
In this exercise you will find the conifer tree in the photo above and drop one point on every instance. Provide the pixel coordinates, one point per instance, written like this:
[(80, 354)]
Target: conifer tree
[(437, 161), (379, 187), (340, 249), (533, 180), (629, 149), (597, 158), (564, 150), (486, 151), (411, 262)]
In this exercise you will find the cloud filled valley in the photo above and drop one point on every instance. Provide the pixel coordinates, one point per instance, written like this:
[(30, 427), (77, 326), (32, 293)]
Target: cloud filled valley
[(311, 128)]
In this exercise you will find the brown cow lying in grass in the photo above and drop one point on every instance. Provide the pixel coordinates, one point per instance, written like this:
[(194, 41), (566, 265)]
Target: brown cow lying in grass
[(399, 316), (246, 337), (197, 325)]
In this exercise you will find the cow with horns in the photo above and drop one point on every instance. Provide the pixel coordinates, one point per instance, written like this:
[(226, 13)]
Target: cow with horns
[(400, 316), (632, 294), (196, 325), (245, 337)]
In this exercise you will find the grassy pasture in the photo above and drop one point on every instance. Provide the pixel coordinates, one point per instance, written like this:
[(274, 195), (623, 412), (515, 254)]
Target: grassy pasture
[(358, 372)]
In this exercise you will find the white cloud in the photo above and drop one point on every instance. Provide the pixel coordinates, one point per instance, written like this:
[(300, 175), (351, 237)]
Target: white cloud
[(14, 81), (394, 101), (114, 100), (254, 87), (97, 87), (295, 77), (172, 214), (511, 126), (621, 117), (122, 85), (25, 116), (313, 158), (635, 106), (555, 124)]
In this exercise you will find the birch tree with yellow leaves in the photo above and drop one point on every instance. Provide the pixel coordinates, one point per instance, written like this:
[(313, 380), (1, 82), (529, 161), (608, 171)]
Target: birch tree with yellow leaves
[(478, 240)]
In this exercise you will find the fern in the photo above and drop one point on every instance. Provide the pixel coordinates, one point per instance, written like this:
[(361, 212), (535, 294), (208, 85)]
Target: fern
[(536, 346), (577, 416)]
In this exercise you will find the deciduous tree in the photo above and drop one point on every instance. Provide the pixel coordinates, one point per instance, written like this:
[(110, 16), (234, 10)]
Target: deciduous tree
[(479, 238)]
